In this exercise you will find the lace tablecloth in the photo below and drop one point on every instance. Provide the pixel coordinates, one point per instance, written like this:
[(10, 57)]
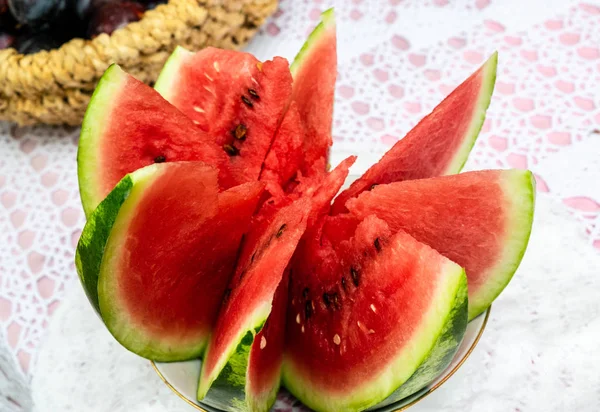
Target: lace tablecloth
[(398, 58)]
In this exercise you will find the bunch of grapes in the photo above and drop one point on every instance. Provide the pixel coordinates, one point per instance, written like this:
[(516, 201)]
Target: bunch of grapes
[(33, 25)]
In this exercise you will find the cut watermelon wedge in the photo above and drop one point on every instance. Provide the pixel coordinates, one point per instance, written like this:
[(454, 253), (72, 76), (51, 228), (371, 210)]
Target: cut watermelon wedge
[(439, 144), (232, 96), (480, 220), (266, 354), (362, 323), (314, 70), (160, 299), (265, 254), (127, 126)]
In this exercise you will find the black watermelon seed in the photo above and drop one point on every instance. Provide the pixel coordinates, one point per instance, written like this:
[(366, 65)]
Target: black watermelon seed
[(160, 159), (231, 150), (247, 102), (377, 244), (226, 294), (305, 293), (243, 273), (343, 283), (373, 186), (326, 300), (240, 132), (253, 93), (308, 310), (252, 258), (336, 301), (280, 231), (355, 276)]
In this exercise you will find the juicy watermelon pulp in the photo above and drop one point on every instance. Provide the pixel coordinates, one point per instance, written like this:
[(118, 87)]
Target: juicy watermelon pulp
[(440, 143), (232, 96)]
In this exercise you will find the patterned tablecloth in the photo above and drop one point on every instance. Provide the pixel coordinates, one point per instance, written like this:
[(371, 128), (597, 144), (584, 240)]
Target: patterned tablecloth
[(397, 59)]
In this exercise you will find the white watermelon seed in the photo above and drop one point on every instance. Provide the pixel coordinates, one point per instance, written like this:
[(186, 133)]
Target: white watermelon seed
[(298, 318), (208, 89), (263, 342), (373, 308), (196, 122), (198, 109), (336, 339), (302, 329), (208, 77), (216, 66)]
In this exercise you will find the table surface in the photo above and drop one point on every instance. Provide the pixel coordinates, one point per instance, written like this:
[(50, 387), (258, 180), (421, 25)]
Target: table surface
[(397, 59)]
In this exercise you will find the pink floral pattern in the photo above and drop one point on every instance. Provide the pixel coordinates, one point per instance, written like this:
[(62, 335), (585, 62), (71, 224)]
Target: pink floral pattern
[(392, 71)]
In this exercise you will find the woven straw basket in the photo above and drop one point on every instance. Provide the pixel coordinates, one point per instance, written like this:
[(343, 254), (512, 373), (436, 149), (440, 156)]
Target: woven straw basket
[(54, 87)]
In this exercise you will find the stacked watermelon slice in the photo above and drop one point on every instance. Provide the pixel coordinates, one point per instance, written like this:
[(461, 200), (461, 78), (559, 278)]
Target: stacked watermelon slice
[(211, 231)]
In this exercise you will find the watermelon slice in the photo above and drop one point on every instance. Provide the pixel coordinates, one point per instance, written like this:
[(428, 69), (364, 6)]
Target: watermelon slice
[(314, 70), (268, 247), (127, 126), (160, 299), (266, 354), (363, 322), (480, 220), (232, 96), (439, 144)]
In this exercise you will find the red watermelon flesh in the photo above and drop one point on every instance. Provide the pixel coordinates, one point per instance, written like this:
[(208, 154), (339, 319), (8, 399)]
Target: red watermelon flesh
[(163, 275), (285, 156), (314, 70), (127, 126), (439, 144), (267, 248), (323, 188), (480, 220), (339, 228), (355, 307), (234, 97)]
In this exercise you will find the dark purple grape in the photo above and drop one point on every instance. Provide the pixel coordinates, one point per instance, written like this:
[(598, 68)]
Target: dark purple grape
[(7, 21), (6, 40), (112, 16), (153, 3), (84, 8), (36, 14), (33, 42)]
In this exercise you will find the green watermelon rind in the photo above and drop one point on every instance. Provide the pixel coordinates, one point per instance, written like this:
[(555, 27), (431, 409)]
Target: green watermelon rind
[(400, 368), (170, 71), (227, 369), (483, 102), (228, 391), (92, 128), (92, 241), (327, 23), (266, 399), (114, 316), (519, 189), (443, 351)]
